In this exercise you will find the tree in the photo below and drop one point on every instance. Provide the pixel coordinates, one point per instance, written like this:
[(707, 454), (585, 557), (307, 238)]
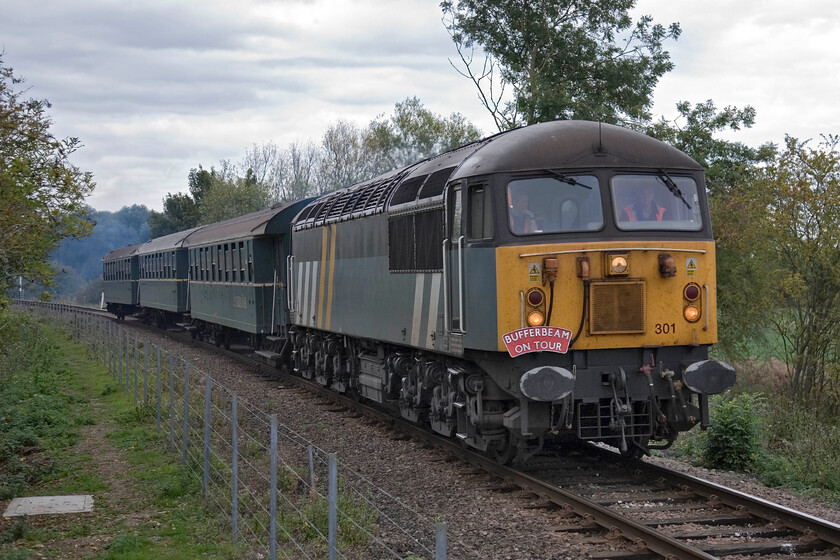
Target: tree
[(346, 157), (180, 212), (230, 196), (413, 133), (559, 59), (199, 181), (41, 192), (801, 195)]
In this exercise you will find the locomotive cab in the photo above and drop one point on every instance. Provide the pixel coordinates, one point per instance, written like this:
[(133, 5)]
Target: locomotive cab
[(602, 271)]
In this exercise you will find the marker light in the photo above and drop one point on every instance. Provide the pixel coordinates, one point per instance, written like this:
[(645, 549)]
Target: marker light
[(691, 314), (691, 292), (535, 318), (535, 297)]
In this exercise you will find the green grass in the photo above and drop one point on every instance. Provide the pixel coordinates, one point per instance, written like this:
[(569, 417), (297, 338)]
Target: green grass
[(51, 393)]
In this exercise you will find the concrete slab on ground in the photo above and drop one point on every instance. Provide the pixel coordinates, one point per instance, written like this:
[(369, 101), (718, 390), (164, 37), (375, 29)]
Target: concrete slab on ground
[(48, 505)]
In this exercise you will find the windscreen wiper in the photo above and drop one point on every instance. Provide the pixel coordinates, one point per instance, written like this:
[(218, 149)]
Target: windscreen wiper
[(566, 179), (672, 186)]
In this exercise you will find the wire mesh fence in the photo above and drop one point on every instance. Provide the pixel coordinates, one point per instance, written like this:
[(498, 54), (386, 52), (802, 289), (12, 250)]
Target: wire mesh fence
[(284, 496)]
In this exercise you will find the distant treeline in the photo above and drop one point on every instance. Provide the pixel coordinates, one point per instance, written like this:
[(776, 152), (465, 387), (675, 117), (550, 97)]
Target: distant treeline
[(78, 262)]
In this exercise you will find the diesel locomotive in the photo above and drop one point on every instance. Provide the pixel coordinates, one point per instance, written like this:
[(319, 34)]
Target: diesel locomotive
[(550, 283)]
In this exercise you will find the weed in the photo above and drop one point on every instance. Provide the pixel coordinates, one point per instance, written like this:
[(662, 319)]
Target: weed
[(733, 440), (16, 532)]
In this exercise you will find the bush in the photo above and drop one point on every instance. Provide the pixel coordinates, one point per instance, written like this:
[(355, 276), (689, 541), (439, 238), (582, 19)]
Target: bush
[(733, 441)]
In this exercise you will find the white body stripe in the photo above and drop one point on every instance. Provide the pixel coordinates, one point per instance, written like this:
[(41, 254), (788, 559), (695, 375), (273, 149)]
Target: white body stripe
[(418, 309), (304, 316), (434, 301), (299, 300), (313, 295)]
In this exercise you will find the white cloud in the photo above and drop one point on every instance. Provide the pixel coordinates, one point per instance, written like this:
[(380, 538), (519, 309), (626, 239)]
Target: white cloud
[(155, 88)]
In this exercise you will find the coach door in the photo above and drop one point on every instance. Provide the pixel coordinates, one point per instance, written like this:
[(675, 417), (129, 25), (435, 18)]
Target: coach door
[(454, 273)]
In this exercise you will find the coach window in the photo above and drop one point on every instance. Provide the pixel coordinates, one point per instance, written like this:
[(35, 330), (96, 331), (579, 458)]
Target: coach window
[(242, 257), (480, 217), (250, 261), (234, 264)]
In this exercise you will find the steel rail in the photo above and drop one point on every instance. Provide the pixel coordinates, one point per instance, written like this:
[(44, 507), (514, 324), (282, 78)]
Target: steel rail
[(759, 507)]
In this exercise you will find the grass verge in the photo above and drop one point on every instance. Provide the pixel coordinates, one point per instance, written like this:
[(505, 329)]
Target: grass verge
[(66, 429)]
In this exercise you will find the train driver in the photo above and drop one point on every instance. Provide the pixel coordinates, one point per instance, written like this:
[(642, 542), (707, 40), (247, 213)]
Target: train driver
[(645, 209), (521, 219)]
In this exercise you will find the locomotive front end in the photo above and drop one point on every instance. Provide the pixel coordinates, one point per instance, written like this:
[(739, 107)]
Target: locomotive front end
[(605, 292)]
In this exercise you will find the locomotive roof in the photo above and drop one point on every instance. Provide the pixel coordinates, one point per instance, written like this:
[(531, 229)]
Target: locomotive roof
[(272, 221), (166, 242), (551, 145), (121, 253), (571, 144)]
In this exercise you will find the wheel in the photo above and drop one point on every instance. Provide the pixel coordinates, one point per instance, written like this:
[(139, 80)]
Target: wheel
[(504, 452)]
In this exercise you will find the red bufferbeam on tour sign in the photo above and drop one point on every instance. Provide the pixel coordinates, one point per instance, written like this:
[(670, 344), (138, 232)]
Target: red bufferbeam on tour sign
[(537, 339)]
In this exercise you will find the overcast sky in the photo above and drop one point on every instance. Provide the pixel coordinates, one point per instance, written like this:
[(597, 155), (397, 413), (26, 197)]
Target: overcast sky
[(154, 88)]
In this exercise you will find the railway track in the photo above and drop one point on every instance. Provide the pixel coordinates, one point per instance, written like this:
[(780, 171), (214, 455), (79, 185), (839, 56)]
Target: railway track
[(651, 511)]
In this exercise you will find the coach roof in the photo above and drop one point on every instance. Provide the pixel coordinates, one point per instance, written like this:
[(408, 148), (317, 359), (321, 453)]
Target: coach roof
[(273, 221), (167, 242), (121, 253)]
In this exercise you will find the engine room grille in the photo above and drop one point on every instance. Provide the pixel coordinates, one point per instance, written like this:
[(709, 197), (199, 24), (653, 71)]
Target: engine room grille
[(616, 307), (414, 241)]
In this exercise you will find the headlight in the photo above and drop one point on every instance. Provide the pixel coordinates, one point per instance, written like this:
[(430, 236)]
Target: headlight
[(691, 314), (535, 318)]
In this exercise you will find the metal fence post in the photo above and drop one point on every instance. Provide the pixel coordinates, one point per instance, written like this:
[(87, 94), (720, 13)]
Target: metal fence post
[(109, 352), (171, 402), (333, 511), (440, 541), (273, 489), (185, 439), (136, 362), (157, 393), (208, 387), (145, 373), (311, 468), (119, 356), (234, 468)]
